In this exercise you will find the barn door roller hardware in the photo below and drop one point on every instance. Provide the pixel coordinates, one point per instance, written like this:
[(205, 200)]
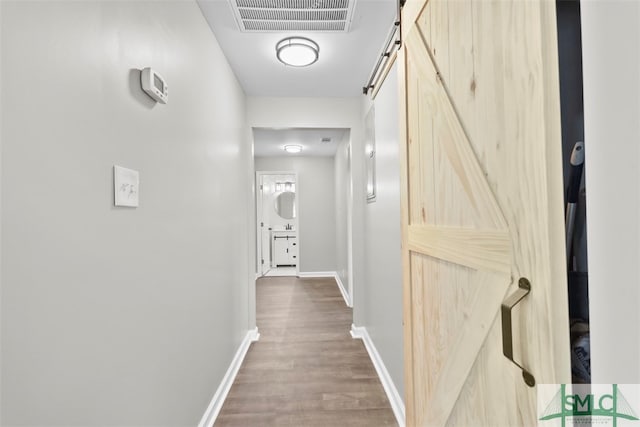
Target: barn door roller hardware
[(393, 41)]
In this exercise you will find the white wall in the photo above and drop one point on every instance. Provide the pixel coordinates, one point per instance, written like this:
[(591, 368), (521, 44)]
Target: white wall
[(383, 260), (269, 112), (119, 316), (316, 208), (342, 184), (611, 68)]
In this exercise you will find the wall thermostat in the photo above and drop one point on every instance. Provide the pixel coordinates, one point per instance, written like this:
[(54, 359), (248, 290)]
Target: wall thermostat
[(155, 86)]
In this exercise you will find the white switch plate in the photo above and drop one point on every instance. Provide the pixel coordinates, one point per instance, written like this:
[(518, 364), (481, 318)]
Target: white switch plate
[(126, 185)]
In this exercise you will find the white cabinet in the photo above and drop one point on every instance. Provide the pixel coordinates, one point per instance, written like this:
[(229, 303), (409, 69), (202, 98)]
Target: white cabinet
[(284, 248)]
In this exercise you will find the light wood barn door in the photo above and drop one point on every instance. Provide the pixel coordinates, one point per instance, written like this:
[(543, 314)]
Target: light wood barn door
[(482, 208)]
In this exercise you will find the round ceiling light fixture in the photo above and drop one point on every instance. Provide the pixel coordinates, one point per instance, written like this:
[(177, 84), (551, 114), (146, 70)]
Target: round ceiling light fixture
[(297, 51), (293, 148)]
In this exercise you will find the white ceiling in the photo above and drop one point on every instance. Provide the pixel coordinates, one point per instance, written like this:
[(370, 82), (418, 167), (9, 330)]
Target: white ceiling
[(271, 142), (345, 63)]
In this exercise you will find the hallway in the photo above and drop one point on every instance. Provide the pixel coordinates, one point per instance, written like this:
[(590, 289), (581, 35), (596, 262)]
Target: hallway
[(305, 370)]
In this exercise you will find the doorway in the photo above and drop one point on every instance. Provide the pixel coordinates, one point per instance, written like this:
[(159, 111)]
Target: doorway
[(575, 199), (277, 223)]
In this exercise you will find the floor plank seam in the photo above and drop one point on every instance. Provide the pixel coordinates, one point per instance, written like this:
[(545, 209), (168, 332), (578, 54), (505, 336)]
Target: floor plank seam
[(306, 370)]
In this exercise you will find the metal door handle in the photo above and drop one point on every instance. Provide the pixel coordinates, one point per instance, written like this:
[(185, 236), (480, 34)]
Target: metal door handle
[(524, 287)]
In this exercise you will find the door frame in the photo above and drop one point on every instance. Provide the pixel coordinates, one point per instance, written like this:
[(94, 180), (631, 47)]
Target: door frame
[(258, 209)]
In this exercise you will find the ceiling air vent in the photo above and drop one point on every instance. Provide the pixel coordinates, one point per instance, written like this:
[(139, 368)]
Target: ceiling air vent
[(293, 15)]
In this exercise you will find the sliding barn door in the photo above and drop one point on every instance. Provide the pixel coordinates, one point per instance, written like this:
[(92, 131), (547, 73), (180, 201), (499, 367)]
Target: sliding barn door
[(482, 209)]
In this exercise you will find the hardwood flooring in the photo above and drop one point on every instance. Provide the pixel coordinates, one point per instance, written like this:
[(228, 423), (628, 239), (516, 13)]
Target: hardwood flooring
[(306, 370)]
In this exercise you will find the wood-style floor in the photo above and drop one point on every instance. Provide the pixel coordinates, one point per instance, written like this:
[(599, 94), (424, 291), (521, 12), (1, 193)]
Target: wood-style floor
[(306, 370)]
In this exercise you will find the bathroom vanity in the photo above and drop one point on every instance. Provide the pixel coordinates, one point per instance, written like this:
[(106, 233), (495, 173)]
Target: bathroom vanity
[(284, 248)]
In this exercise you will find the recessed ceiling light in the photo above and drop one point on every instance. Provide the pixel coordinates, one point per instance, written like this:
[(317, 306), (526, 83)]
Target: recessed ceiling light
[(297, 51), (293, 148)]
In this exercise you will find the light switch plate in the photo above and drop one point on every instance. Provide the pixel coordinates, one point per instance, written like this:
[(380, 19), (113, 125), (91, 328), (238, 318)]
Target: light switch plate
[(126, 186)]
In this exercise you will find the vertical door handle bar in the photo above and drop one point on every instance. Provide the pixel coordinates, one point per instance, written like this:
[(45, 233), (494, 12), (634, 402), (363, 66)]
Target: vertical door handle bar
[(524, 287)]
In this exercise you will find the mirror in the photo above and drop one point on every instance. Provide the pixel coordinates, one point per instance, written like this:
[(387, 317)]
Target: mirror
[(285, 206)]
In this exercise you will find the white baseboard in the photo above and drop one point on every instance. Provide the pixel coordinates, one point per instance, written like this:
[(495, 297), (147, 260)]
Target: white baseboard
[(397, 405), (215, 406), (343, 291), (336, 276), (316, 274)]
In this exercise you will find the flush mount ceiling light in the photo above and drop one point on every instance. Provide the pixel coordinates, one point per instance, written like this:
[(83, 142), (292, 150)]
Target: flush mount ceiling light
[(293, 148), (297, 51)]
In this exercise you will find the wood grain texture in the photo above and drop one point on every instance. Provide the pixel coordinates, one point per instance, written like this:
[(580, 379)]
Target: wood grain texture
[(407, 291), (451, 136), (306, 370), (488, 290), (483, 207), (558, 350), (512, 121), (478, 249), (421, 207), (411, 11), (421, 350), (439, 33)]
